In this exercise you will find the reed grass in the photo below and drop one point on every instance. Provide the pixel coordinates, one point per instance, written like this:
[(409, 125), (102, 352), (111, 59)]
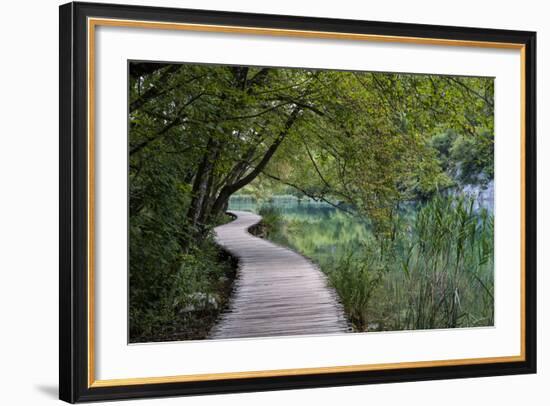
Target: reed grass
[(434, 271)]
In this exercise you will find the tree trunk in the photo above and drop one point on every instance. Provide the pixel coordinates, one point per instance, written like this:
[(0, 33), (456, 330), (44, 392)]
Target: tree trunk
[(200, 186), (210, 190)]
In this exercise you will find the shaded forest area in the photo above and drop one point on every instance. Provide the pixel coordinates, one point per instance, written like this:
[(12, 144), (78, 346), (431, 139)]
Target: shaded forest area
[(365, 143)]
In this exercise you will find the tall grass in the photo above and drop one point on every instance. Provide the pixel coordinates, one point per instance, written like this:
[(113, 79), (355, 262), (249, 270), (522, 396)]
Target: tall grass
[(356, 283), (434, 271), (447, 266)]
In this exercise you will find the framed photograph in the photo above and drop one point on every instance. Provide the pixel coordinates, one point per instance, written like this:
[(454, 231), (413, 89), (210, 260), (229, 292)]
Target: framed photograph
[(254, 202)]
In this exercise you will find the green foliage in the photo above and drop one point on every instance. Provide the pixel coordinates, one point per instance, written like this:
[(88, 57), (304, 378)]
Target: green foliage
[(362, 138), (473, 158), (468, 160), (178, 299), (443, 142)]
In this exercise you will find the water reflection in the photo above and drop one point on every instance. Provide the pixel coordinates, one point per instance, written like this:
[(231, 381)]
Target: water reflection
[(315, 229), (321, 231)]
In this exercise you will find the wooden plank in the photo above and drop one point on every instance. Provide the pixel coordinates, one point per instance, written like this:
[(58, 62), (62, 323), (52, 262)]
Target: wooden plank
[(277, 291)]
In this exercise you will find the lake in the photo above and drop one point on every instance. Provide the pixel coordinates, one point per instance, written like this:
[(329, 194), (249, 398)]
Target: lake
[(319, 230), (315, 229)]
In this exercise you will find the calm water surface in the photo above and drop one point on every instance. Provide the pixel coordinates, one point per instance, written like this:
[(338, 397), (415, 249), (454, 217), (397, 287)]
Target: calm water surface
[(312, 228), (317, 229)]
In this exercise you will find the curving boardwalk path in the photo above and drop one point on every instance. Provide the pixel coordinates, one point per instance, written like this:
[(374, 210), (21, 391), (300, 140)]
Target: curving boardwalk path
[(277, 291)]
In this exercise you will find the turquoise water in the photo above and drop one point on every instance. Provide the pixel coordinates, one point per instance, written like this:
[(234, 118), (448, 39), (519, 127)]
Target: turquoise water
[(315, 229)]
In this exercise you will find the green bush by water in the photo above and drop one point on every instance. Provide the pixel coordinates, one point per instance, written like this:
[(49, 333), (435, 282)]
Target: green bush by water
[(271, 217)]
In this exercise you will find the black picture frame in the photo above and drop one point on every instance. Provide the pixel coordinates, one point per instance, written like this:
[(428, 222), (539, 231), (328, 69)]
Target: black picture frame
[(74, 383)]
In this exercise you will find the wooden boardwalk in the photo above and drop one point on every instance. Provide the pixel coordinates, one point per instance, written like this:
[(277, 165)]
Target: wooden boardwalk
[(277, 291)]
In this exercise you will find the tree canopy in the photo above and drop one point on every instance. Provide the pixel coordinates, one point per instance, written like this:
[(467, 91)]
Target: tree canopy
[(363, 139)]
